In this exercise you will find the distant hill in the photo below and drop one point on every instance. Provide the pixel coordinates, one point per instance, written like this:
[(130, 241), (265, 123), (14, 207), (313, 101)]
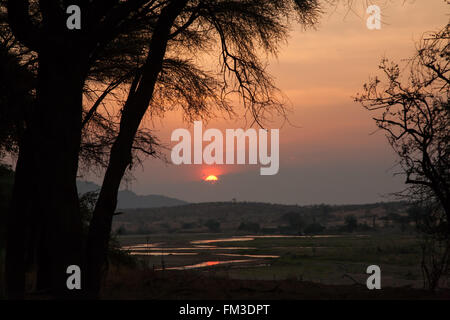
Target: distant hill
[(270, 218), (129, 200), (255, 210)]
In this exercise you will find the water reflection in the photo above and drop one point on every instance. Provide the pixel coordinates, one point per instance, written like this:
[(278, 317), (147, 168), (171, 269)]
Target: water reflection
[(252, 237), (137, 253), (202, 244), (141, 246), (206, 264), (156, 249), (261, 256), (245, 238), (138, 248)]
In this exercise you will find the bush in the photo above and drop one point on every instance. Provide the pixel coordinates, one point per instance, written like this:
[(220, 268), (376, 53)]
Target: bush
[(249, 226), (121, 231), (351, 223), (188, 225), (295, 220), (117, 256), (314, 228), (213, 225)]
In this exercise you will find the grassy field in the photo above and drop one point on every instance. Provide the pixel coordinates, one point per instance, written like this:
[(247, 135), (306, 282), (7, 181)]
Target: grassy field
[(337, 260)]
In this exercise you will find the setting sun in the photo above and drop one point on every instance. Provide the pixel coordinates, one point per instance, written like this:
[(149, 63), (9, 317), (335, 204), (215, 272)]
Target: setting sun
[(211, 178)]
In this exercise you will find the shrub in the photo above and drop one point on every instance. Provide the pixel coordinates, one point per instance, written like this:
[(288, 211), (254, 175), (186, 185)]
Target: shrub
[(213, 225), (314, 228)]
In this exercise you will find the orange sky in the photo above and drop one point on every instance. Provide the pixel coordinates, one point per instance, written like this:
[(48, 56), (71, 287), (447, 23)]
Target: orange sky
[(330, 155)]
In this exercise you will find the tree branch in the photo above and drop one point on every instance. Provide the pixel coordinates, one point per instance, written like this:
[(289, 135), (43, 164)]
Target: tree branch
[(21, 25)]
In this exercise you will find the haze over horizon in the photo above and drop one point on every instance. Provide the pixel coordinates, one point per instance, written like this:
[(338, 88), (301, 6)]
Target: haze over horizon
[(330, 154)]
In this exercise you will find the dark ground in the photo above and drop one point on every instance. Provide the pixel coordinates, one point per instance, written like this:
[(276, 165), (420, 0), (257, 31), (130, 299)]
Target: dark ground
[(173, 285)]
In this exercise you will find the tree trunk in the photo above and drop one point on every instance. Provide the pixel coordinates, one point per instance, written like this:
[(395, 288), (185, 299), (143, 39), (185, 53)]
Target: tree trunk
[(18, 226), (57, 139), (46, 173), (120, 157)]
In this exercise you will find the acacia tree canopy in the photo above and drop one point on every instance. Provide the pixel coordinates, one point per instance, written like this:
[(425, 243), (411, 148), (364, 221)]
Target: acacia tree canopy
[(150, 48), (413, 110)]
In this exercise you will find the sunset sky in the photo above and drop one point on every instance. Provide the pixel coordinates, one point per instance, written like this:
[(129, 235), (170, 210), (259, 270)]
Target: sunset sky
[(328, 154)]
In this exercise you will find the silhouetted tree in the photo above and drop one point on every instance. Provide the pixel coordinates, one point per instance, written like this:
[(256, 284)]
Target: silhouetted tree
[(415, 115), (213, 225), (351, 223), (314, 228), (167, 36), (36, 45), (240, 29), (253, 227), (6, 182), (295, 220)]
